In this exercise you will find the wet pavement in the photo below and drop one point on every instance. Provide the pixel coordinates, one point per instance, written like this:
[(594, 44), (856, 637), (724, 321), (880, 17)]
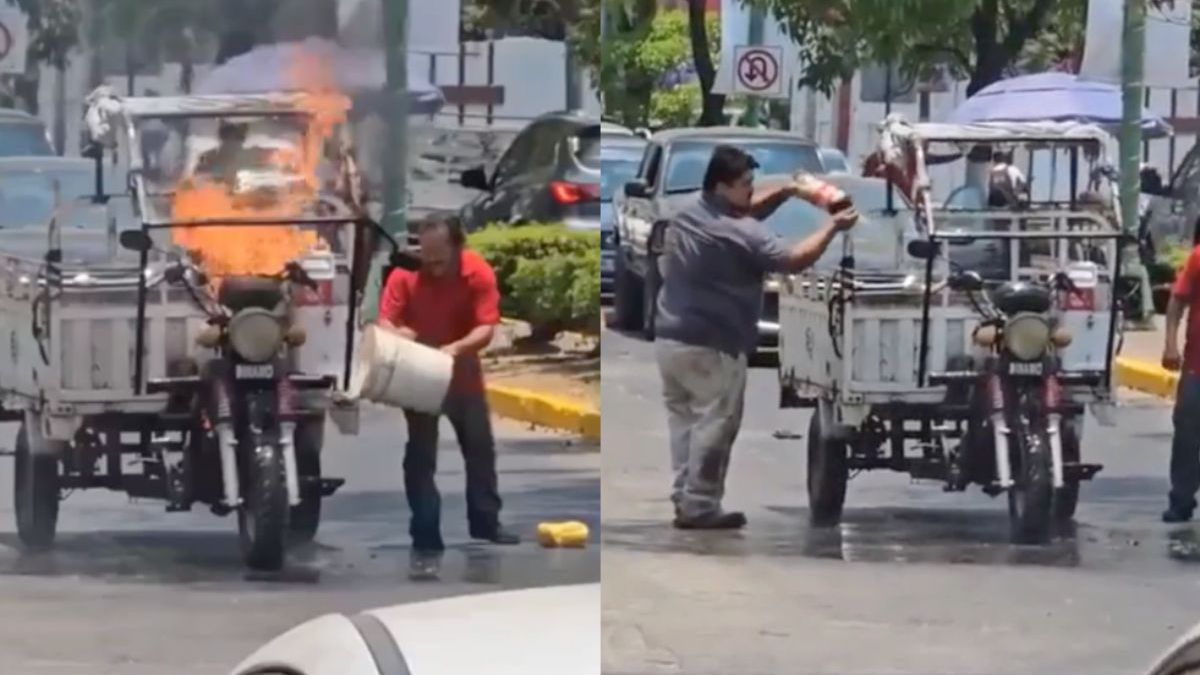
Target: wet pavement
[(914, 580), (133, 590)]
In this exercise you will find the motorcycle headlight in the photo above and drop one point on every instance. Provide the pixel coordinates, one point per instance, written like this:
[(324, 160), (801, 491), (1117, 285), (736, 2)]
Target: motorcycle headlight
[(255, 334), (1027, 336)]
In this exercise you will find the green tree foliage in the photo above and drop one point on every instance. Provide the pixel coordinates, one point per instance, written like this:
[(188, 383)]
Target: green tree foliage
[(636, 58), (982, 40), (166, 28), (547, 19), (583, 36), (53, 33), (53, 27), (577, 22)]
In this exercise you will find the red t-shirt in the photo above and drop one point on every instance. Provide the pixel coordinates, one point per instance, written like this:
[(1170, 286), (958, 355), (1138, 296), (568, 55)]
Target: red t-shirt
[(442, 311), (1187, 287)]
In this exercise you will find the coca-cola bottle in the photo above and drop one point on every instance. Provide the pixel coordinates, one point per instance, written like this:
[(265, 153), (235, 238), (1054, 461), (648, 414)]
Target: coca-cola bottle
[(820, 193)]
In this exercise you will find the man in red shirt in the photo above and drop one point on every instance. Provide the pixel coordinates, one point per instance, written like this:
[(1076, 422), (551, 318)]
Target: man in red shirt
[(452, 303), (1185, 448)]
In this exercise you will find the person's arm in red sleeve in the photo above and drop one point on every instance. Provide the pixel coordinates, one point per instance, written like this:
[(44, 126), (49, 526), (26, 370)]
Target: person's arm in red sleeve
[(1181, 296), (391, 305), (485, 307)]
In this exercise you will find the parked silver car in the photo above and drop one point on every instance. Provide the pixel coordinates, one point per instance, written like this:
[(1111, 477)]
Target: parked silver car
[(620, 155), (670, 173)]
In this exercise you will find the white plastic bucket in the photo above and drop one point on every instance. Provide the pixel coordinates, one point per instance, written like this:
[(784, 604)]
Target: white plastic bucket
[(393, 370)]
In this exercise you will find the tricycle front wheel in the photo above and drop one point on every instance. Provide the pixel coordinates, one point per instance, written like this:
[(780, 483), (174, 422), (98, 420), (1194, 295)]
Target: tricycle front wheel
[(1031, 498), (35, 493), (828, 472), (263, 516)]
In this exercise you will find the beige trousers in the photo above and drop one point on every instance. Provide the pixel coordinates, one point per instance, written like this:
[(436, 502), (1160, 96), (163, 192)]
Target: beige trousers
[(704, 390)]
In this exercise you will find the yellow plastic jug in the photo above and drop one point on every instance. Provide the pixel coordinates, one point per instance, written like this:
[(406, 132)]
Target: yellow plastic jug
[(568, 534)]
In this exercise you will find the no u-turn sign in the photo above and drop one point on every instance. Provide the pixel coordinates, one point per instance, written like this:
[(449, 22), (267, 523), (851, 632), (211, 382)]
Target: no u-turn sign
[(758, 70)]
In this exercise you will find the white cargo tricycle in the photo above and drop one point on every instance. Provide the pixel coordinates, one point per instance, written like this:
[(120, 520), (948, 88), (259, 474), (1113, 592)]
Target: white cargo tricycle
[(972, 360), (130, 369)]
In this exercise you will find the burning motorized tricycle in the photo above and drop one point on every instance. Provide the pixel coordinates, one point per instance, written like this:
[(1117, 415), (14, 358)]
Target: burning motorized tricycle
[(972, 359), (207, 338)]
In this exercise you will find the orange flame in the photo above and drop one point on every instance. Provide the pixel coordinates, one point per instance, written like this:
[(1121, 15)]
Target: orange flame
[(252, 250)]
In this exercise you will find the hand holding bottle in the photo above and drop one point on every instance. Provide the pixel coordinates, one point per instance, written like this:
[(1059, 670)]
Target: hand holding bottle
[(808, 187)]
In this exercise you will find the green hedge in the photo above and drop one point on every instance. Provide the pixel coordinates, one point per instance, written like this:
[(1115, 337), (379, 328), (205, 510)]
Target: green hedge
[(548, 275)]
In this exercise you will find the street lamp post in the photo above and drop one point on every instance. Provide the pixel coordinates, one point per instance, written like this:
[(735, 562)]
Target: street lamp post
[(1133, 54), (395, 160), (395, 22)]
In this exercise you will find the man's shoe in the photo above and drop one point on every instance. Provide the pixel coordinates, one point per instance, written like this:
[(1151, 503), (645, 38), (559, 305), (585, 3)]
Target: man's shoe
[(498, 536), (424, 565), (1174, 515), (726, 520)]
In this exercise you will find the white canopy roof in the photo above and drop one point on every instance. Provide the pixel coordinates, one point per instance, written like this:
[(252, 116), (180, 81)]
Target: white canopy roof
[(230, 104), (107, 111), (995, 132)]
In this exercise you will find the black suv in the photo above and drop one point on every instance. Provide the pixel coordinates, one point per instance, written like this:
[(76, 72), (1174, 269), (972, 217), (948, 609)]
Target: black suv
[(549, 174)]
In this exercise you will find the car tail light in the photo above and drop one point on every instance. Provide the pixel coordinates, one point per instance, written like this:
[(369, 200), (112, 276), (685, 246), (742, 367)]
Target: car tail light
[(573, 193), (307, 297)]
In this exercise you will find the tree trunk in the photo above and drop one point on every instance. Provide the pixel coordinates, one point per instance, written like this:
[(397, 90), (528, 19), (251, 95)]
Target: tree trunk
[(249, 22), (994, 54), (234, 43), (984, 73), (26, 89), (712, 111)]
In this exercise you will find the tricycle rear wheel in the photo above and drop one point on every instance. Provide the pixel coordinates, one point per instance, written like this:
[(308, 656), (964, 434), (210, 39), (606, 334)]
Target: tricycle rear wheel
[(828, 472), (35, 493), (306, 516), (1067, 497)]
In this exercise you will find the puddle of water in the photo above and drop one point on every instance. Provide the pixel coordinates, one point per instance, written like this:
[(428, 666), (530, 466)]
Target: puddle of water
[(925, 535), (1184, 546)]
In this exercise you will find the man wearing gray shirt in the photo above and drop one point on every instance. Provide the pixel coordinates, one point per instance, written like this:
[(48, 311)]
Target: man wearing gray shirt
[(716, 255)]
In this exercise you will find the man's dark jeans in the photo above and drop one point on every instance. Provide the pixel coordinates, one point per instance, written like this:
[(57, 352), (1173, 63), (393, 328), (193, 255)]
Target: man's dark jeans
[(1185, 448), (469, 416)]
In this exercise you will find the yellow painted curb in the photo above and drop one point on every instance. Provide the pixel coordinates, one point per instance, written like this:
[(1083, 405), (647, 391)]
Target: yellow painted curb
[(1145, 376), (545, 410)]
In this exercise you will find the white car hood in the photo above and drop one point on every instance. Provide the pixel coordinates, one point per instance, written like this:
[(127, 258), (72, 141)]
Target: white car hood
[(542, 631)]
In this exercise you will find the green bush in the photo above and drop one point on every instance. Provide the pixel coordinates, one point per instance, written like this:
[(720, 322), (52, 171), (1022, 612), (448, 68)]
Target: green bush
[(1175, 256), (548, 275)]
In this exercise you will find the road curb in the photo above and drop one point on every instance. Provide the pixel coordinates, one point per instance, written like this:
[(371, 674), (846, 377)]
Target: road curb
[(545, 410), (1147, 377)]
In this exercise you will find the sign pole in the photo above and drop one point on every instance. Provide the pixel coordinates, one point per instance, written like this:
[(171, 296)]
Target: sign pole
[(756, 37)]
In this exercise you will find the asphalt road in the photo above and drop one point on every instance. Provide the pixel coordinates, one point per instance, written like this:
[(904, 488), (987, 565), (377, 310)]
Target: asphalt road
[(914, 581), (132, 590)]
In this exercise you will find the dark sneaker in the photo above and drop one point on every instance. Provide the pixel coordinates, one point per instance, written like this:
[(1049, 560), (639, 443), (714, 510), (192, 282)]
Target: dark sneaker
[(726, 520), (498, 536), (424, 565), (1174, 515)]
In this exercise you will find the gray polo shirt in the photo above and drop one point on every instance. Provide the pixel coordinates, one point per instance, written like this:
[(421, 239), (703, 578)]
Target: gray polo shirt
[(713, 266)]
